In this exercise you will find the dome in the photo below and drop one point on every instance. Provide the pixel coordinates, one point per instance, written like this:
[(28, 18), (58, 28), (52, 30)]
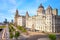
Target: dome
[(41, 6), (49, 7)]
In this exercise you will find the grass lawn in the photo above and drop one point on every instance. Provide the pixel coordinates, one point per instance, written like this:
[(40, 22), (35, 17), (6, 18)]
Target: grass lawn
[(11, 30), (21, 28), (2, 27)]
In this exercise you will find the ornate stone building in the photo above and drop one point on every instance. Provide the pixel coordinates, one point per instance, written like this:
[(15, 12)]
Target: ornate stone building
[(46, 20)]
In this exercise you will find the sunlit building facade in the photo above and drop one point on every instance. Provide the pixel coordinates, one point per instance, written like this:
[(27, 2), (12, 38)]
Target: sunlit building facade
[(46, 20)]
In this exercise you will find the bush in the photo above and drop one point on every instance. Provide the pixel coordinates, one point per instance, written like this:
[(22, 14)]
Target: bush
[(11, 35), (17, 34), (52, 36), (21, 28), (24, 30), (11, 29)]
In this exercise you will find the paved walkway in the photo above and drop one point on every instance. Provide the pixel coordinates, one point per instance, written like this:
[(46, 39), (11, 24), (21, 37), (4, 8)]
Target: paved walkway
[(5, 34), (43, 39), (35, 33)]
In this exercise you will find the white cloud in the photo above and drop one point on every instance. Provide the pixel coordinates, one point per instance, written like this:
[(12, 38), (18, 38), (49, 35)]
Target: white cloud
[(2, 16), (8, 17), (23, 12), (30, 11), (12, 11)]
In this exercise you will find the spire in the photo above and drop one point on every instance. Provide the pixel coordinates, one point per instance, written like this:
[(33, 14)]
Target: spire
[(16, 13), (27, 13), (41, 6), (49, 10), (16, 16)]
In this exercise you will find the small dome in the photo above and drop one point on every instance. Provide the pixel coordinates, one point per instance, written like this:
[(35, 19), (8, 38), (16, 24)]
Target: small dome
[(49, 7), (41, 6)]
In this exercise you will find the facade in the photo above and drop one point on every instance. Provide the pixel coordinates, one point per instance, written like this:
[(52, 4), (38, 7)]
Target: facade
[(19, 20), (46, 20)]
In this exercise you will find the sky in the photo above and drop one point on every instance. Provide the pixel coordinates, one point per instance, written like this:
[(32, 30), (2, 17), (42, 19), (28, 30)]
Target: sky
[(8, 7)]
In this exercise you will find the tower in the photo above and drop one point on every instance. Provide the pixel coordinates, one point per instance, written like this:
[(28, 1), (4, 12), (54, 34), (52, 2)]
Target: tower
[(27, 15), (55, 11), (49, 18), (49, 10), (40, 10), (16, 16)]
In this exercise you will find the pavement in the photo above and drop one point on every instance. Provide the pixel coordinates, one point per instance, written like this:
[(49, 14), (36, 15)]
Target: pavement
[(43, 39), (35, 33), (36, 37), (1, 35), (5, 34)]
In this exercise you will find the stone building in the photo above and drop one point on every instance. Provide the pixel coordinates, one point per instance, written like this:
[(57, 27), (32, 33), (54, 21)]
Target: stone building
[(19, 20), (46, 20)]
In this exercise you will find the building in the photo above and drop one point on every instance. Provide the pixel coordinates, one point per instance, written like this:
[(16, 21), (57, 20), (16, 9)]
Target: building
[(46, 20), (19, 20), (1, 24)]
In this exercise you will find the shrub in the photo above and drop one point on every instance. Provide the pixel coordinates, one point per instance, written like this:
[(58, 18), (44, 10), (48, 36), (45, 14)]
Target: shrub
[(52, 36), (21, 28), (17, 34), (11, 29), (11, 35)]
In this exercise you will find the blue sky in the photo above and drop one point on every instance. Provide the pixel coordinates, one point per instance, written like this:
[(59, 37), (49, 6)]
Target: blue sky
[(8, 7)]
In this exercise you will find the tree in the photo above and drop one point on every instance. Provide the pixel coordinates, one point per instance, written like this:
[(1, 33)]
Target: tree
[(52, 36), (17, 34), (11, 35)]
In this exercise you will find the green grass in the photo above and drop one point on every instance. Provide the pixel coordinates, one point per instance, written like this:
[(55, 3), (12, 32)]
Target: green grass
[(14, 33), (11, 31), (2, 27), (21, 28)]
